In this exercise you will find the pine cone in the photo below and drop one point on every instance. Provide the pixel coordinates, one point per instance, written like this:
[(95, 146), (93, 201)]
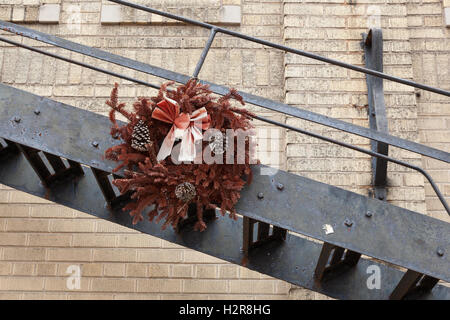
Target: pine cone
[(140, 136), (185, 191)]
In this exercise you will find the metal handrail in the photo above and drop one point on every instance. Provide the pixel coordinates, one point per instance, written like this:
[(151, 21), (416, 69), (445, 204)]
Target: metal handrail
[(216, 29)]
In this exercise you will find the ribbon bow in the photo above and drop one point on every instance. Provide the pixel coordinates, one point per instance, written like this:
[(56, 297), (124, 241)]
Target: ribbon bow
[(185, 127)]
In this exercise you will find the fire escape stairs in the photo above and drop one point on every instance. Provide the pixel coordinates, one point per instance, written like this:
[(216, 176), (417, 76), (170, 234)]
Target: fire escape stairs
[(305, 232)]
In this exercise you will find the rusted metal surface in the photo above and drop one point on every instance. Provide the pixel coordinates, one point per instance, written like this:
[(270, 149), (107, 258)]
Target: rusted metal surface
[(373, 55)]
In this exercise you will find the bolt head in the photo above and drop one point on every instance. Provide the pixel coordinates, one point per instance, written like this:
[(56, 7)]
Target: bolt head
[(95, 144), (280, 186), (348, 222), (369, 214), (440, 252), (260, 195)]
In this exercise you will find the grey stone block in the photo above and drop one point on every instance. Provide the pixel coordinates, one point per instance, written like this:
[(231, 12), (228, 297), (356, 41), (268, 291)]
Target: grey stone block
[(230, 14), (49, 13), (111, 14)]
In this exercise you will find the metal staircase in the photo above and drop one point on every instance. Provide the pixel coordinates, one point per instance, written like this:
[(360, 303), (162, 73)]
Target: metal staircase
[(53, 150)]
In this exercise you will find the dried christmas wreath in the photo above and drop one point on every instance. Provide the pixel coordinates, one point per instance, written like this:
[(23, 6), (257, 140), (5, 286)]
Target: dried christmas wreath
[(149, 136)]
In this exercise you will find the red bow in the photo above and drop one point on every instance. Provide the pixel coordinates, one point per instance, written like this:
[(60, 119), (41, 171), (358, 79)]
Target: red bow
[(185, 127)]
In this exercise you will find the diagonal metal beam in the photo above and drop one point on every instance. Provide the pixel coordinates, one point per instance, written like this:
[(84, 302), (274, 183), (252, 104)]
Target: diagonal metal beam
[(222, 90)]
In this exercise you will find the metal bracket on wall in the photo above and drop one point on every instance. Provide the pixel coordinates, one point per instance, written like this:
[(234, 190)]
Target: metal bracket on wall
[(373, 53)]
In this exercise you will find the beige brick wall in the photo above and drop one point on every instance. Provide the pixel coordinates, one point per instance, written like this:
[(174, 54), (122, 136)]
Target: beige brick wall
[(30, 11), (430, 43), (40, 240)]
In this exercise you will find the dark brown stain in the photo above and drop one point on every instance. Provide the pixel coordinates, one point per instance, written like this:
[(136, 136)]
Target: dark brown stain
[(244, 261), (47, 194)]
